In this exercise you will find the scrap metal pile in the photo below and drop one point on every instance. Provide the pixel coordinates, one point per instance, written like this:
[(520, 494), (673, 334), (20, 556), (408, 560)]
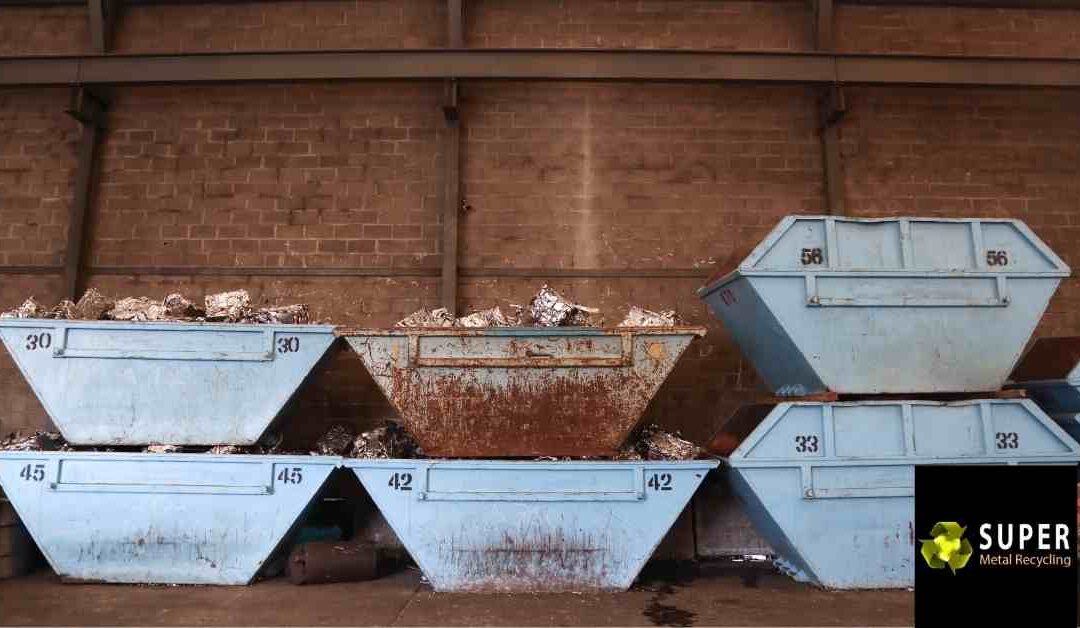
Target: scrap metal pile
[(653, 443), (38, 441), (224, 307), (547, 309), (388, 441), (392, 441)]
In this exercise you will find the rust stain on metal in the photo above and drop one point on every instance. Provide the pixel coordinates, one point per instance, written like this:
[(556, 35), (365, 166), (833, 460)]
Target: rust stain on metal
[(533, 559), (456, 415), (518, 393), (656, 351)]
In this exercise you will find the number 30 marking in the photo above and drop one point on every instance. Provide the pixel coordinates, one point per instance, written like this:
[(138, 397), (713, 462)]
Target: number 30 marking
[(39, 341)]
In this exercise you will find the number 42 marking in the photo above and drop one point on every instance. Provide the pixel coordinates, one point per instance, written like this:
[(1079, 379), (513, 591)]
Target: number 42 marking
[(659, 482), (400, 482)]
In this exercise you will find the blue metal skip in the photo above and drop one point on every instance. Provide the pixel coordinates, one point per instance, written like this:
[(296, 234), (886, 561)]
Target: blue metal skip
[(831, 485), (115, 383), (169, 518), (1050, 373), (530, 526), (891, 305)]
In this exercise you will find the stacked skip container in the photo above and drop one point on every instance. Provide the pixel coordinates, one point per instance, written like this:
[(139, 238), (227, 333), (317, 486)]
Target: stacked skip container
[(129, 516), (481, 513), (874, 310)]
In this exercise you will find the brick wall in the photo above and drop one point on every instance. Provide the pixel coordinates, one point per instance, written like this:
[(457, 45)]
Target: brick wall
[(948, 152), (28, 30), (37, 166), (631, 176), (757, 25), (37, 163), (342, 175), (621, 177), (281, 25), (957, 31)]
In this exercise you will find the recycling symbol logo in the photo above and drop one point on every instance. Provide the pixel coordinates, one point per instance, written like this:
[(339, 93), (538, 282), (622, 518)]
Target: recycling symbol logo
[(946, 547)]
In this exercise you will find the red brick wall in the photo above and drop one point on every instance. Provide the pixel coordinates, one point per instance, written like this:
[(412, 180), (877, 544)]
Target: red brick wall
[(631, 176), (949, 152), (37, 167), (758, 25), (280, 25), (341, 175), (27, 30), (37, 162), (621, 177), (957, 31)]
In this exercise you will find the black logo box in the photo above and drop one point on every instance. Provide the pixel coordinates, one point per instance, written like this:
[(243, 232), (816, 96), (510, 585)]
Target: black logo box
[(972, 495)]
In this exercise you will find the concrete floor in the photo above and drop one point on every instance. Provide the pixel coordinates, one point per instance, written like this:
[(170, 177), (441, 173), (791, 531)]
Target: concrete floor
[(712, 597)]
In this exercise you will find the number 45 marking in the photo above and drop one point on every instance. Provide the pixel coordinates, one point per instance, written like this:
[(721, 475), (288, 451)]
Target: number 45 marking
[(292, 475), (33, 473)]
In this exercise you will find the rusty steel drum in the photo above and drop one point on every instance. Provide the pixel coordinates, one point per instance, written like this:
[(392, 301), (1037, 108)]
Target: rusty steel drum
[(505, 392)]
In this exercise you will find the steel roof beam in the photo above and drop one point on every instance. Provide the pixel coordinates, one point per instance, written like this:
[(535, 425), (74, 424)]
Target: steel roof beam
[(545, 64)]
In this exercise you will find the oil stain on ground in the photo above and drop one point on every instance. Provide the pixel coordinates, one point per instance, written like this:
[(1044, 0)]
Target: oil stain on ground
[(662, 581)]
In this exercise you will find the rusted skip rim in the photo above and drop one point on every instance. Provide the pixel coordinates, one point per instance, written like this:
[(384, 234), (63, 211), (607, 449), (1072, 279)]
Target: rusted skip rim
[(520, 331)]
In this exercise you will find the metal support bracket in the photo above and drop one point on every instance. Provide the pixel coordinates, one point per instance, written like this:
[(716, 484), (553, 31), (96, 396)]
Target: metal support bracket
[(89, 109), (823, 24), (831, 110), (102, 16), (450, 102), (451, 201)]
